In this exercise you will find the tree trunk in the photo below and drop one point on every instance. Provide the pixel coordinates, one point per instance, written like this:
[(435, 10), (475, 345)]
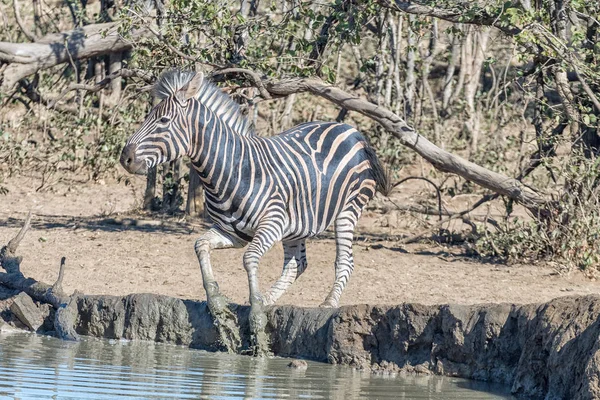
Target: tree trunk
[(287, 117), (449, 78), (411, 80), (115, 85), (171, 197), (479, 45), (150, 192), (195, 198)]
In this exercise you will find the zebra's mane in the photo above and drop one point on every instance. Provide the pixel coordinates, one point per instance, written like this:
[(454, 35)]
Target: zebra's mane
[(209, 95)]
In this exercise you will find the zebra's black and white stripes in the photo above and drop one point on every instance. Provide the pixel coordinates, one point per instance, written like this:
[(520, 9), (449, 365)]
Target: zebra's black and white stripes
[(260, 190)]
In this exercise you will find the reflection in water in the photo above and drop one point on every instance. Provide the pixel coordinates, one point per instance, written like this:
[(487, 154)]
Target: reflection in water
[(37, 367)]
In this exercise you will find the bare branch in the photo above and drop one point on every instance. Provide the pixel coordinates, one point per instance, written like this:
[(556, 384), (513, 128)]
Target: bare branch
[(437, 190), (453, 11), (89, 41), (255, 78), (21, 24), (122, 73), (9, 261), (587, 89)]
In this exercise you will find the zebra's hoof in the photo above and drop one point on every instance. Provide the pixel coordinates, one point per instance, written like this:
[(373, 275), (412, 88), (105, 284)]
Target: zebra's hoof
[(258, 336), (258, 318)]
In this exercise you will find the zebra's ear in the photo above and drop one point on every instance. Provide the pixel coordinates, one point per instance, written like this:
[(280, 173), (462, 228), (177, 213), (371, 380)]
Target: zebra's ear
[(193, 87)]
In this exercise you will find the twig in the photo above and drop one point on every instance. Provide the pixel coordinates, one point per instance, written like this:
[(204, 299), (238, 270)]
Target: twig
[(437, 189), (491, 241), (481, 201), (586, 88), (122, 73), (256, 79), (176, 50), (21, 24)]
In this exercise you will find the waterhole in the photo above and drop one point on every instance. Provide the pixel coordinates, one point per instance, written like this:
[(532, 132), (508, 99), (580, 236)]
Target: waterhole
[(41, 367)]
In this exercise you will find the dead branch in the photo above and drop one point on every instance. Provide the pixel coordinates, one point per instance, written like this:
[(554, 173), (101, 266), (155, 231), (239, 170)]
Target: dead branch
[(66, 306), (14, 279), (453, 11), (57, 287), (25, 59), (437, 190), (12, 246), (458, 215), (21, 24), (122, 73)]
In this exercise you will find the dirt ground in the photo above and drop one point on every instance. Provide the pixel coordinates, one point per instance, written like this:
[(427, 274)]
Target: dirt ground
[(91, 225)]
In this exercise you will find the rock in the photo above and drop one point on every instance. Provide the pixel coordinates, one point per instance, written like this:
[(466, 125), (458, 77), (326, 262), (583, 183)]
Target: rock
[(6, 328), (27, 312), (299, 365)]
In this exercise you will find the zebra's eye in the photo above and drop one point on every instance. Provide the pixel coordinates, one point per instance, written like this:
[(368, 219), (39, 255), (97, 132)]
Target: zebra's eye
[(165, 120)]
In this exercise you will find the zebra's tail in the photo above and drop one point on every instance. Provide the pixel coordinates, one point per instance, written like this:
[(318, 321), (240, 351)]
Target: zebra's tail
[(379, 173)]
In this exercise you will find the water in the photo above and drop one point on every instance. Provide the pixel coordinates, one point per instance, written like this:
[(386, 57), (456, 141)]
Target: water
[(39, 367)]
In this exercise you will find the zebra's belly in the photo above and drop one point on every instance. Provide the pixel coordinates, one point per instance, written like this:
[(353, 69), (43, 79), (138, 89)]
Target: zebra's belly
[(305, 223), (297, 225)]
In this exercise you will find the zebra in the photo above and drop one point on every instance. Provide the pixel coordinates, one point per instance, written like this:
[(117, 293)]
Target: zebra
[(259, 190)]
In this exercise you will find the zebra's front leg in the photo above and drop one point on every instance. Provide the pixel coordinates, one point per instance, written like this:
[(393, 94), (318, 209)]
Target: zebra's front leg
[(294, 264), (263, 240), (218, 305)]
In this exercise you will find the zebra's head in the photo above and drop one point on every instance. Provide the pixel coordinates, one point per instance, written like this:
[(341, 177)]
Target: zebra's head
[(164, 135)]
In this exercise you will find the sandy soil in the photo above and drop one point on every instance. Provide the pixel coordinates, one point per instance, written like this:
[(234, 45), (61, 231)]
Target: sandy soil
[(88, 223)]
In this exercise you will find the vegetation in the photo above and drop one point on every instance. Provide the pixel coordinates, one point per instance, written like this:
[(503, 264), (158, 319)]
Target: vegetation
[(508, 86)]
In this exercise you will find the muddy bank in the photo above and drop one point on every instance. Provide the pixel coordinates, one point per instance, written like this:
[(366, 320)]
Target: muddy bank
[(547, 351)]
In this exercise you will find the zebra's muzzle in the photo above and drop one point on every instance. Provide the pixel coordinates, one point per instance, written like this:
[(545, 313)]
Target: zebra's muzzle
[(130, 162)]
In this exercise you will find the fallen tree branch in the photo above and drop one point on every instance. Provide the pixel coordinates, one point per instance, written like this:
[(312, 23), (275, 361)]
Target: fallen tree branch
[(89, 41), (66, 306), (14, 279)]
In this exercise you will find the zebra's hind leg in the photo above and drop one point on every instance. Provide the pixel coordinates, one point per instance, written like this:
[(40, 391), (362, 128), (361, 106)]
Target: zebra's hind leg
[(268, 233), (294, 264), (344, 262), (218, 305)]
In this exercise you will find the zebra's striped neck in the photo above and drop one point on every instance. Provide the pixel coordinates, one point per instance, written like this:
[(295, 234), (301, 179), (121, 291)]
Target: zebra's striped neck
[(216, 151)]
